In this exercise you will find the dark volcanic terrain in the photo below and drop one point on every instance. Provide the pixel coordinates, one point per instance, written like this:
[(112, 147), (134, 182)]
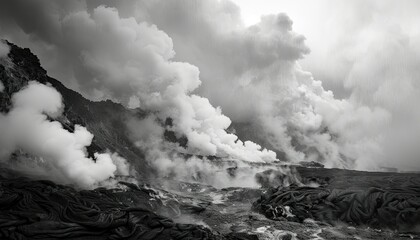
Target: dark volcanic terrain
[(326, 204), (178, 210)]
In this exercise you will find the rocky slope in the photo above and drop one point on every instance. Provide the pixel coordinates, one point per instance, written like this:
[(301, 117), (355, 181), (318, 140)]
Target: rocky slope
[(106, 119)]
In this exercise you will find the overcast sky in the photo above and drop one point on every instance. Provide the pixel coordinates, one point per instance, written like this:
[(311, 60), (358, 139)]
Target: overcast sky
[(336, 30)]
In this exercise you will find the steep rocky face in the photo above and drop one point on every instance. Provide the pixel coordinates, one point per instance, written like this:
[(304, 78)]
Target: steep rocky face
[(106, 119)]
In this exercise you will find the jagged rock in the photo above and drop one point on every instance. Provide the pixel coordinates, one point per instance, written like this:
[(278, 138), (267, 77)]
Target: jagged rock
[(311, 164), (395, 208), (241, 236), (44, 210)]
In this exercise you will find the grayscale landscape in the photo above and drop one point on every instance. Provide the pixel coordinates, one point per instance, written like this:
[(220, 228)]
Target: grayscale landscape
[(209, 119)]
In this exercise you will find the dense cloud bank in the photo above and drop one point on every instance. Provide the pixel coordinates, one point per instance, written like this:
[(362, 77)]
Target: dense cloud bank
[(129, 62), (178, 58), (60, 155), (373, 53)]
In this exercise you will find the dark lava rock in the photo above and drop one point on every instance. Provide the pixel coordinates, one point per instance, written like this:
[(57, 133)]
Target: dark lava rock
[(394, 208), (44, 210), (287, 237), (311, 164), (241, 236)]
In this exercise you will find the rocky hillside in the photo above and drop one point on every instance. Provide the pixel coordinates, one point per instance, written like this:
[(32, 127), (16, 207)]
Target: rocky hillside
[(106, 119)]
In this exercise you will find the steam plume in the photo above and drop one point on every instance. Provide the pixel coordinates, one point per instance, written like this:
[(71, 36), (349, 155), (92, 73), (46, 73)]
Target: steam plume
[(62, 153), (251, 72), (290, 109), (4, 49), (130, 63)]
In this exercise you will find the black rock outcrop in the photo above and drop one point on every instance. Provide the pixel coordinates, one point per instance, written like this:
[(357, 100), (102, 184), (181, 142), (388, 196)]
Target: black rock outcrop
[(44, 210), (387, 201)]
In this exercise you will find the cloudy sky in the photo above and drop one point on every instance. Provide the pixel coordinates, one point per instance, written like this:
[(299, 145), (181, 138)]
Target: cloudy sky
[(338, 31), (330, 81)]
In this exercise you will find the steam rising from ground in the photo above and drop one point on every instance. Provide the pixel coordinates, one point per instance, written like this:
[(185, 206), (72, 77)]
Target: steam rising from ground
[(251, 72), (171, 163), (4, 49), (264, 86), (62, 154), (130, 63)]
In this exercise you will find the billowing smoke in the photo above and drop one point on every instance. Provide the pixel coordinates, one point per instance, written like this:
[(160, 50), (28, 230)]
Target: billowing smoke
[(61, 154), (264, 86), (227, 172), (252, 72), (130, 62)]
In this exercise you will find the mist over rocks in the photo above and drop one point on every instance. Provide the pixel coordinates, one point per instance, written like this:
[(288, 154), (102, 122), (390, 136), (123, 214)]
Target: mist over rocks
[(143, 55), (140, 54), (63, 153), (132, 63), (4, 49), (147, 149), (181, 109), (45, 123), (290, 110)]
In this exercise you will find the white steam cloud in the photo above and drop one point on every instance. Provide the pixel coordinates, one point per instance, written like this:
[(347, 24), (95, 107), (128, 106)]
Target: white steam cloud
[(4, 49), (251, 72), (26, 127), (130, 62), (147, 135)]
